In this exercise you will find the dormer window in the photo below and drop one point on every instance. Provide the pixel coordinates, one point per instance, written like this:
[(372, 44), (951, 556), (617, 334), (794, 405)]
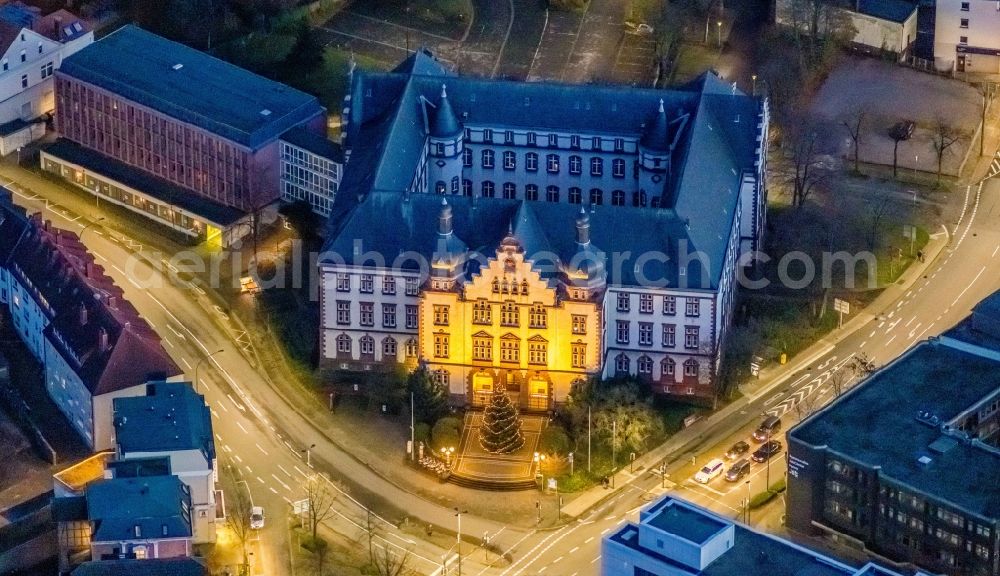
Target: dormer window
[(574, 142), (595, 143), (439, 148), (487, 136), (619, 145), (532, 139), (508, 137)]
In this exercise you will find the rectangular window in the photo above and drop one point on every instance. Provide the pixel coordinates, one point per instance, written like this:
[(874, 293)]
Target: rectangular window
[(965, 7), (552, 163), (411, 316), (482, 313), (487, 159), (646, 303), (531, 162), (343, 312), (595, 143), (488, 136), (963, 23), (509, 314), (482, 349), (645, 333), (574, 142), (623, 302), (619, 145), (440, 315), (343, 282), (537, 318), (388, 285), (618, 168), (669, 335), (532, 139), (579, 354), (367, 284), (963, 39), (579, 324), (553, 140), (388, 315), (538, 352), (691, 337), (508, 137), (441, 345), (24, 80), (411, 287), (622, 331), (692, 308), (670, 305), (510, 350), (367, 314)]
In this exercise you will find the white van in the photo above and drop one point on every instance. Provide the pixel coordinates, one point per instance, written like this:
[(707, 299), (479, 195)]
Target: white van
[(710, 471)]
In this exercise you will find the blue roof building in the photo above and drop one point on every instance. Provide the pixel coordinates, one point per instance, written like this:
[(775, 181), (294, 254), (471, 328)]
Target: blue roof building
[(139, 518)]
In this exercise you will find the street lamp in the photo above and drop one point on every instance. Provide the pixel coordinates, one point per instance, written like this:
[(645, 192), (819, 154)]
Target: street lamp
[(89, 224), (458, 515), (718, 26), (308, 452), (198, 365), (754, 78), (746, 507), (447, 454)]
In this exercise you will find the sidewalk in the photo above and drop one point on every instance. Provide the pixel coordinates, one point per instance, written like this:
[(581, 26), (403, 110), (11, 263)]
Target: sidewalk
[(682, 445)]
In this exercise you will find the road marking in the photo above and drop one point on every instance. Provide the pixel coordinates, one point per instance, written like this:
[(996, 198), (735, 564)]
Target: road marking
[(203, 383), (773, 399), (238, 459), (574, 549), (282, 468), (304, 475), (271, 488), (261, 449), (612, 517), (596, 559), (587, 541), (235, 403), (98, 254), (240, 424), (261, 480), (605, 531), (223, 406), (915, 328), (169, 343), (558, 559), (907, 325), (186, 363), (214, 413), (889, 341), (969, 285), (285, 486), (997, 249), (863, 344), (872, 335), (542, 569)]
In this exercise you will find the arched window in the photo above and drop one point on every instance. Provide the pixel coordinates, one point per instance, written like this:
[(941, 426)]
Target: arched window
[(575, 165), (389, 348), (343, 344), (455, 184), (621, 364), (618, 198), (509, 190), (596, 167), (467, 157), (466, 187), (531, 192), (411, 348), (575, 195), (596, 196), (531, 161), (488, 189), (645, 365), (509, 160), (496, 286), (439, 187), (487, 158), (667, 367), (552, 163), (367, 345), (524, 287), (552, 193), (691, 367)]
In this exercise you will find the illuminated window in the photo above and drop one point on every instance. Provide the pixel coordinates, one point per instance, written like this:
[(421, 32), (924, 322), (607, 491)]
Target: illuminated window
[(482, 313), (482, 347), (367, 314), (579, 324), (579, 354), (440, 315), (537, 316), (441, 345), (669, 335), (510, 349), (509, 314), (538, 352)]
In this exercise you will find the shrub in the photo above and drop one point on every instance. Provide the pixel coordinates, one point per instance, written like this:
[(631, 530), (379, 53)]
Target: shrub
[(765, 497), (553, 440), (422, 432), (314, 545), (447, 433)]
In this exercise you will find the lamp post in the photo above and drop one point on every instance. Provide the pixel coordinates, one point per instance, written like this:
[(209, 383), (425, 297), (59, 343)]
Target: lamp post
[(89, 224), (447, 455), (754, 78), (198, 365), (718, 27), (308, 452), (746, 507), (458, 515)]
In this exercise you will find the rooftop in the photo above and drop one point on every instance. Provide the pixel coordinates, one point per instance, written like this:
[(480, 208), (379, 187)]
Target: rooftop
[(314, 143), (892, 10), (191, 86), (941, 378), (76, 477), (146, 567), (171, 416), (686, 523), (158, 505)]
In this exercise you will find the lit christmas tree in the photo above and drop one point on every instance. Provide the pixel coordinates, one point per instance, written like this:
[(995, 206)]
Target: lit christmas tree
[(501, 429)]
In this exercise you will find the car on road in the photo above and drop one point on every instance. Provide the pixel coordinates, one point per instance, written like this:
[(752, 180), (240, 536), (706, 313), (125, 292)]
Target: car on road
[(767, 429), (766, 451), (737, 450), (710, 471), (738, 470), (257, 517)]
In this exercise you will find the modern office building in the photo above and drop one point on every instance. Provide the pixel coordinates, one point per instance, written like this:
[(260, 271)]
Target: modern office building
[(311, 168), (183, 138), (529, 234), (170, 428), (967, 36), (906, 464), (677, 538), (33, 48), (74, 319)]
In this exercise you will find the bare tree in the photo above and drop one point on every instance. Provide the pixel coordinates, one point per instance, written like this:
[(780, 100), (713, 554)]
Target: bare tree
[(945, 136), (898, 132), (838, 380), (853, 123), (807, 169), (878, 208), (389, 563), (238, 508), (863, 366), (322, 495)]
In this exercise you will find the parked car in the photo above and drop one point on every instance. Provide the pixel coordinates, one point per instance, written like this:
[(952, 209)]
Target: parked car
[(257, 517), (766, 451), (710, 471), (737, 450), (767, 429), (738, 470)]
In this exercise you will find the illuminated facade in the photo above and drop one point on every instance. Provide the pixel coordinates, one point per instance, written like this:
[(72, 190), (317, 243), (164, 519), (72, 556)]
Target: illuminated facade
[(516, 213)]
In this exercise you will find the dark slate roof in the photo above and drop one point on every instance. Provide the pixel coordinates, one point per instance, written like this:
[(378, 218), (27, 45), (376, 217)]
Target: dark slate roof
[(171, 416), (61, 272), (892, 10), (172, 194), (445, 123), (540, 227), (205, 91), (934, 377), (116, 506), (139, 467), (61, 25), (422, 62), (318, 145), (147, 567), (69, 508)]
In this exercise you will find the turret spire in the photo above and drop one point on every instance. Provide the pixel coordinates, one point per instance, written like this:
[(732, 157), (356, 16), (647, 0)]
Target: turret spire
[(445, 124)]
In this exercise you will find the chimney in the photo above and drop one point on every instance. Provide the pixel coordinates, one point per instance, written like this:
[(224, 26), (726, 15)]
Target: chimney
[(83, 315), (102, 340), (113, 302), (89, 270), (57, 27), (47, 225), (137, 530)]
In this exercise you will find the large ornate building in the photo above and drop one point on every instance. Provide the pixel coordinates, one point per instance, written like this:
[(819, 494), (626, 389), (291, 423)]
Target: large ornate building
[(526, 235)]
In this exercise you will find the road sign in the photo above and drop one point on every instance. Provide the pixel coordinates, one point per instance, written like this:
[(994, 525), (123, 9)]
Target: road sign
[(300, 506), (842, 306)]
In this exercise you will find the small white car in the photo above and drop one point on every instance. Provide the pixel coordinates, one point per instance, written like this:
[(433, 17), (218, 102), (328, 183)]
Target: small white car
[(257, 517), (710, 471)]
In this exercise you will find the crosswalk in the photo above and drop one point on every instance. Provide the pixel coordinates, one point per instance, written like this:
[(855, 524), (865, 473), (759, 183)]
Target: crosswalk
[(994, 166)]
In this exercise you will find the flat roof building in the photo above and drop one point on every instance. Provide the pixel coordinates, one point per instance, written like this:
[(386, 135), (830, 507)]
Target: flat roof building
[(907, 462), (677, 538)]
